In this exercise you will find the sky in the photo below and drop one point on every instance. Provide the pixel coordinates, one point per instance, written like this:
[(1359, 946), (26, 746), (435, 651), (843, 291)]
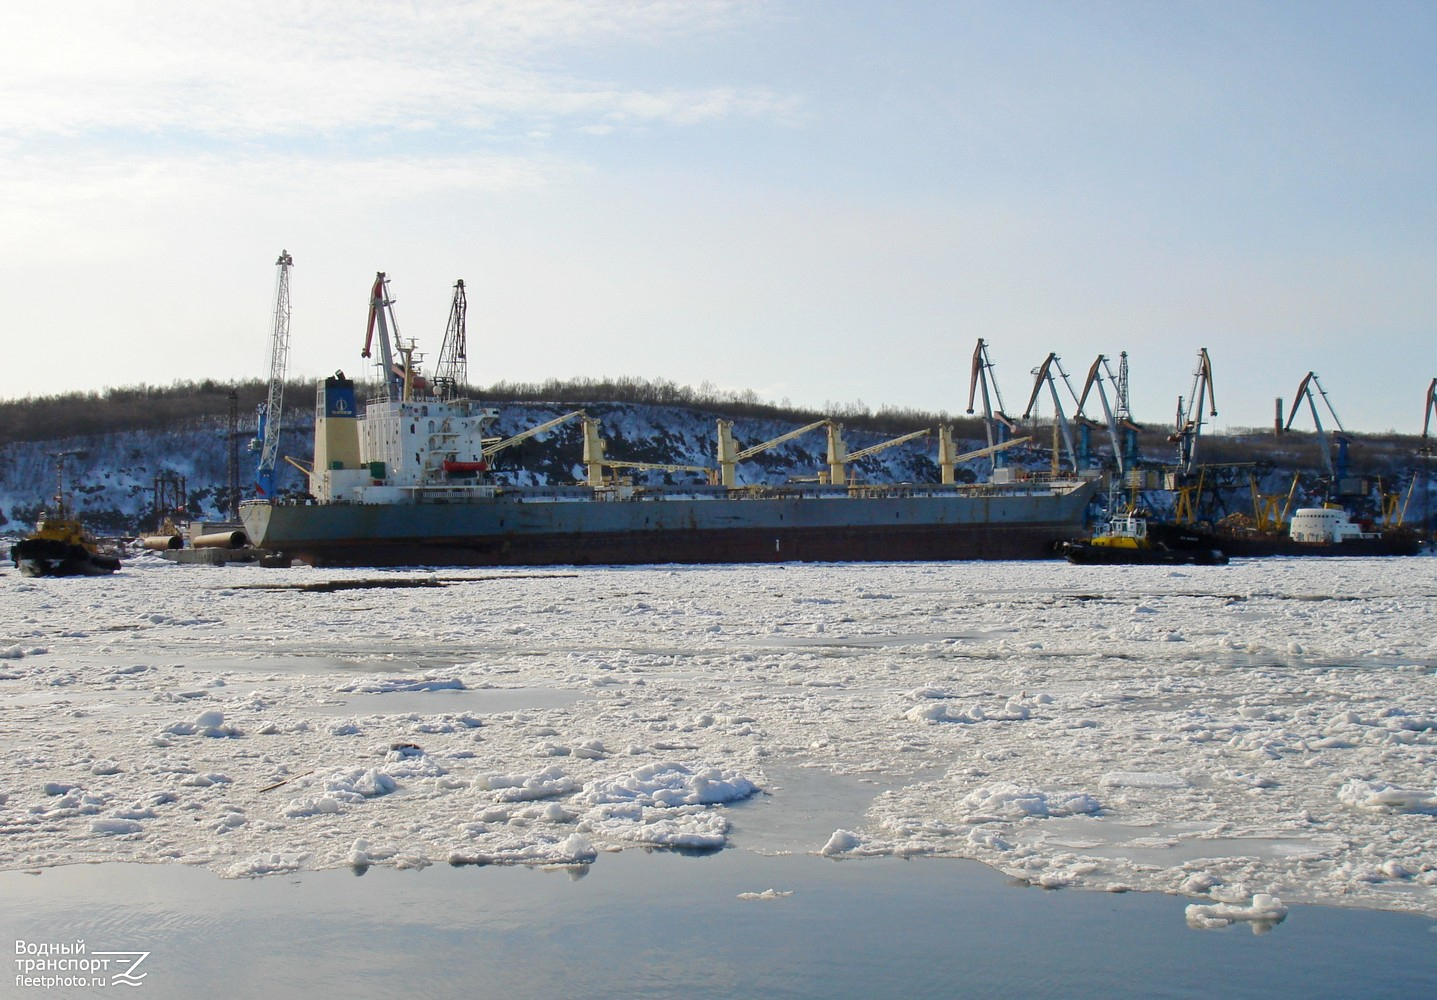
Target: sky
[(827, 202)]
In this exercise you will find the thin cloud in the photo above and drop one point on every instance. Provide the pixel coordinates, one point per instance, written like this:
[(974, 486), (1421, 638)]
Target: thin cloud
[(297, 69)]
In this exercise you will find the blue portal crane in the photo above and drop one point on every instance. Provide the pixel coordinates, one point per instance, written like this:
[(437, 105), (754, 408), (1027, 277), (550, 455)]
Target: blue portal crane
[(271, 411)]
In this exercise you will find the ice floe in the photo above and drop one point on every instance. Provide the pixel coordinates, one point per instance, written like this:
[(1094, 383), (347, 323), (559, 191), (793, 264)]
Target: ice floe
[(1261, 730)]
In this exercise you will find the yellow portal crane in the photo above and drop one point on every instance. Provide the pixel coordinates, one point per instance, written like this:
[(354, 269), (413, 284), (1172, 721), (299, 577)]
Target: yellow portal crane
[(1268, 515)]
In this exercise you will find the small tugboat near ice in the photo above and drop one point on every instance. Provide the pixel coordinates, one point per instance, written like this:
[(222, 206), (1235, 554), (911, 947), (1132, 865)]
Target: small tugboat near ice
[(1125, 539), (60, 545)]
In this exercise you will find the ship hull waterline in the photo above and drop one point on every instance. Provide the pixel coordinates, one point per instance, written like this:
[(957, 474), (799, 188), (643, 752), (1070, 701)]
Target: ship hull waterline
[(519, 533)]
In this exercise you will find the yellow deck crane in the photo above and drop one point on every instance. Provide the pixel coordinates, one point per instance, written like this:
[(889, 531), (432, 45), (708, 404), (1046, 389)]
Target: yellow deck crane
[(493, 446), (839, 456), (595, 448), (948, 459), (729, 456)]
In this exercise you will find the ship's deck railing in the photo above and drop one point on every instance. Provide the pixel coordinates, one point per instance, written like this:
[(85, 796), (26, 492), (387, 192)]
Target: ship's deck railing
[(447, 493)]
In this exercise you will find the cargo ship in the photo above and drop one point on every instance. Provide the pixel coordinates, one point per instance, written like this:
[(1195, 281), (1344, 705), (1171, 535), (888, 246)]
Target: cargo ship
[(408, 482)]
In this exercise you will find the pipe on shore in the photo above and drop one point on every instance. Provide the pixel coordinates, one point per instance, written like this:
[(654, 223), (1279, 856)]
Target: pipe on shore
[(221, 540), (160, 543)]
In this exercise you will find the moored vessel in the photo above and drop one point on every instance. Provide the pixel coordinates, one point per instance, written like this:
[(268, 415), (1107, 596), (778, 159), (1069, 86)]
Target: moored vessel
[(60, 545), (409, 481), (1329, 530)]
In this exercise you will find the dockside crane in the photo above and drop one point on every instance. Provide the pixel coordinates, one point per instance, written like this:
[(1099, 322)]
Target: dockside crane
[(1190, 416), (398, 378), (1336, 471), (1117, 417), (451, 374), (1427, 413), (1042, 375), (271, 411), (996, 423)]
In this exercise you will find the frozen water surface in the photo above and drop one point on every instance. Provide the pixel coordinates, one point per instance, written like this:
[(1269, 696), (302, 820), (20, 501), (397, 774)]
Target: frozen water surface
[(1229, 734)]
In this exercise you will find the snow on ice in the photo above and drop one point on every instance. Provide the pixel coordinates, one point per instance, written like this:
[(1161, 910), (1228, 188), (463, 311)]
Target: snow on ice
[(1253, 735)]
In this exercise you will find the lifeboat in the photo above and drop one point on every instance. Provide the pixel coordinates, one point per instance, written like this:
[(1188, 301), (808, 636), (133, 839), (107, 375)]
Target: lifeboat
[(454, 468)]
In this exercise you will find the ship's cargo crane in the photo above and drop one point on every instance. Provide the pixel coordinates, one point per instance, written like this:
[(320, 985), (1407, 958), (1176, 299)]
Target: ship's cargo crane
[(948, 458), (1336, 471), (595, 462), (729, 456), (839, 456), (271, 411), (492, 448), (451, 374), (1043, 374)]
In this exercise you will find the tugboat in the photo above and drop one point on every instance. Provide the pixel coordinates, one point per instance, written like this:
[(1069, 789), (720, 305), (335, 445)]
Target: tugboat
[(1125, 541), (60, 545)]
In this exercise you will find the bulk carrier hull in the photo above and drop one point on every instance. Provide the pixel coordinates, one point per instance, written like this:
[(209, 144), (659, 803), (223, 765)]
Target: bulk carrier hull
[(576, 526)]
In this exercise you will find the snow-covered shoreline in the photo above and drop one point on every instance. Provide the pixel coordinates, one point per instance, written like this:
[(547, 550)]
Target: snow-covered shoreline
[(1269, 727)]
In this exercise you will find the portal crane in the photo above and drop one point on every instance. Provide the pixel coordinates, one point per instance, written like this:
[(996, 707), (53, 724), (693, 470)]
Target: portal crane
[(1122, 432), (1430, 409), (1044, 374), (271, 411), (395, 378), (996, 423), (729, 456), (451, 374), (1190, 417), (1338, 471)]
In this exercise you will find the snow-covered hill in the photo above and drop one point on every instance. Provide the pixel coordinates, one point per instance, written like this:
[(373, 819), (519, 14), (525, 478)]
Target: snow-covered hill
[(112, 478)]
